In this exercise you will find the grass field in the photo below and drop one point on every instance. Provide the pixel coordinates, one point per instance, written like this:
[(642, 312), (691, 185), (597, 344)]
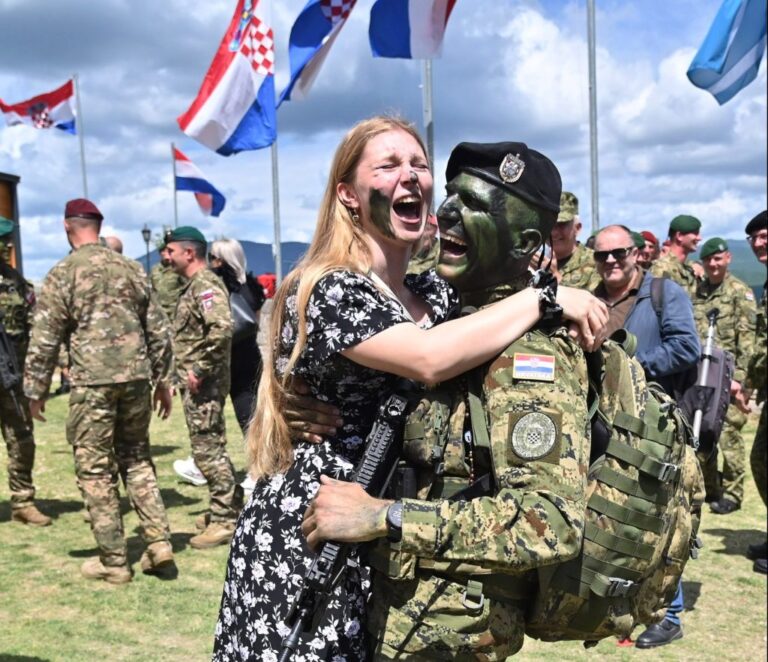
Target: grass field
[(48, 612)]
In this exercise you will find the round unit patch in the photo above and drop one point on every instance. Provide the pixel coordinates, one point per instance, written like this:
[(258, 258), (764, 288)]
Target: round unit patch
[(533, 436)]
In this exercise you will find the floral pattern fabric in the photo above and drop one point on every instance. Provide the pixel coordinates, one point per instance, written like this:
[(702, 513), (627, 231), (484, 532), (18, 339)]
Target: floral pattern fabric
[(268, 555)]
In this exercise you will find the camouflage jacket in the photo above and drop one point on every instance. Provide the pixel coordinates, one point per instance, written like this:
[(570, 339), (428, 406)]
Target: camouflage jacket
[(757, 368), (580, 270), (668, 266), (99, 303), (202, 336), (735, 326), (17, 300), (167, 286), (422, 262)]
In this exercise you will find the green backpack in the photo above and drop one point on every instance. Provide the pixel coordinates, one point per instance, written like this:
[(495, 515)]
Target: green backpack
[(645, 492)]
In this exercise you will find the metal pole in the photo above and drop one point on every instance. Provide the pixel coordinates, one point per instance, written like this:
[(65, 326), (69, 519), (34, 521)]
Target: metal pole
[(80, 133), (593, 114), (429, 127), (175, 200), (276, 247)]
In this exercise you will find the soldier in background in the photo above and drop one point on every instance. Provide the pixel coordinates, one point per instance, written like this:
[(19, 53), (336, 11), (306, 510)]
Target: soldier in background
[(166, 283), (202, 344), (735, 333), (757, 235), (17, 299), (649, 252), (684, 237), (99, 303), (115, 243), (575, 265)]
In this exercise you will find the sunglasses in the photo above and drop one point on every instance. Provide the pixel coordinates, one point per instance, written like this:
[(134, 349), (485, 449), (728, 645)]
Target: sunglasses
[(618, 254)]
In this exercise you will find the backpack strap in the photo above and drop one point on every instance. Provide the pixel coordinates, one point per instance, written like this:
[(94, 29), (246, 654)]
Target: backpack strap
[(657, 295)]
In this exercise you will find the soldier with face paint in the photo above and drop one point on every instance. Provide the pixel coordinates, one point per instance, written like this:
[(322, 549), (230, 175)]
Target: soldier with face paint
[(505, 495)]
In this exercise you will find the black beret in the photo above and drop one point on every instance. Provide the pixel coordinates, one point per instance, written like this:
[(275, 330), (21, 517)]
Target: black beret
[(524, 172), (759, 222)]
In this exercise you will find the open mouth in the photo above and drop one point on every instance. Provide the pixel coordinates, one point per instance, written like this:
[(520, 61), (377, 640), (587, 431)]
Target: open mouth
[(408, 207), (450, 244)]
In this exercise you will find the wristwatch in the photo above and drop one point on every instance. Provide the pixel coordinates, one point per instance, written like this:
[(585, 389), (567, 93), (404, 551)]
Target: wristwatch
[(395, 522)]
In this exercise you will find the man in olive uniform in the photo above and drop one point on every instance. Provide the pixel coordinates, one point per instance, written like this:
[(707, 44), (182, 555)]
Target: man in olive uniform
[(684, 237), (98, 303), (757, 372), (461, 579), (166, 284), (735, 333), (202, 344), (425, 255), (575, 264), (17, 299)]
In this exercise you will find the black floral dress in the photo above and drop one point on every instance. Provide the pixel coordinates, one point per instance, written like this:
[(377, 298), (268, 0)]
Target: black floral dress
[(268, 554)]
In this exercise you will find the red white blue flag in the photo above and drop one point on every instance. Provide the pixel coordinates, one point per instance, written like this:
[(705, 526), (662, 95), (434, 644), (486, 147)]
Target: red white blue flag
[(312, 36), (235, 107), (190, 178), (45, 111), (411, 29)]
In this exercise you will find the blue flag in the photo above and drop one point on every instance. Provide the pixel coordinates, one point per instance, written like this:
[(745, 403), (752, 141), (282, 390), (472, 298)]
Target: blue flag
[(312, 36), (730, 56)]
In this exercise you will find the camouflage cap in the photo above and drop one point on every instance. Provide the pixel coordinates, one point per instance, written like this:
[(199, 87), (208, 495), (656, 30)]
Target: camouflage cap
[(569, 207), (684, 224), (759, 222), (185, 233), (6, 226), (638, 239), (712, 246)]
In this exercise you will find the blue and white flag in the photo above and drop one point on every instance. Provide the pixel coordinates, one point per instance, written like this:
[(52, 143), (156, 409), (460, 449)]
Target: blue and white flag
[(190, 178), (730, 56), (411, 29), (312, 36)]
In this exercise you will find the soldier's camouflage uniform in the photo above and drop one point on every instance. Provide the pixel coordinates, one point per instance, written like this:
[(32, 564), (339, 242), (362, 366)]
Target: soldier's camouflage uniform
[(579, 271), (756, 379), (454, 552), (422, 262), (668, 266), (17, 300), (735, 333), (167, 286), (202, 344), (99, 303)]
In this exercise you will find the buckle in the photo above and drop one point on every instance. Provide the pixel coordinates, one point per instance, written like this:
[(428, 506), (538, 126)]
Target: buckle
[(618, 588), (476, 600), (668, 472)]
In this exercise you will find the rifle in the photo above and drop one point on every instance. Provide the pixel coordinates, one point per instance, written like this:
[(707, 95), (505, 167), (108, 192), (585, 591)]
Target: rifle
[(10, 377), (373, 473), (704, 392)]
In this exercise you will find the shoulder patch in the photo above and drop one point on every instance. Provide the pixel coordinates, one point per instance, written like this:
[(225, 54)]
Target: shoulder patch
[(534, 436), (536, 367), (206, 298), (749, 296)]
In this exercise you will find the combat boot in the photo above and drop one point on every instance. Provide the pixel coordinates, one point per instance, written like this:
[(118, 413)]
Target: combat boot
[(157, 557), (95, 569), (30, 515), (215, 534), (202, 521)]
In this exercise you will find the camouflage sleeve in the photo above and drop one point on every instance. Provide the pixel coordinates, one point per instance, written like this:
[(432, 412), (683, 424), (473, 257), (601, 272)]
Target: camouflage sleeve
[(48, 332), (213, 305), (540, 441), (745, 318), (158, 336)]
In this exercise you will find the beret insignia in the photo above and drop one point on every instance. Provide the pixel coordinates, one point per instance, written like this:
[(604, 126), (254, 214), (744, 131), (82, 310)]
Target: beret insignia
[(511, 168)]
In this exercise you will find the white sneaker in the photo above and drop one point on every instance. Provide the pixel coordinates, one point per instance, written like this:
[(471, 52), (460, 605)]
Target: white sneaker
[(188, 472), (248, 486)]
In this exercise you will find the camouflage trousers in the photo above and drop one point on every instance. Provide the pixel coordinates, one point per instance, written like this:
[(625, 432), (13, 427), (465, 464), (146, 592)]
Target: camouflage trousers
[(730, 482), (20, 443), (204, 412), (758, 457), (108, 427)]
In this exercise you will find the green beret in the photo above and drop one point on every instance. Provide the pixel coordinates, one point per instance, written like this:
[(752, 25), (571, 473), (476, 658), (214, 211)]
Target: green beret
[(6, 226), (638, 239), (759, 222), (185, 233), (684, 224), (569, 207), (712, 246)]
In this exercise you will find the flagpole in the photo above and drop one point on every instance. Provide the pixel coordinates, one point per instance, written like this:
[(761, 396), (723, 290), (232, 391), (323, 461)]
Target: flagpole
[(277, 247), (429, 128), (593, 114), (175, 192), (80, 133)]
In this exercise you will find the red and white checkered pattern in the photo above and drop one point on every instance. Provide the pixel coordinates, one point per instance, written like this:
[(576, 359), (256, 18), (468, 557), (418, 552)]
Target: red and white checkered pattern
[(337, 10), (258, 47)]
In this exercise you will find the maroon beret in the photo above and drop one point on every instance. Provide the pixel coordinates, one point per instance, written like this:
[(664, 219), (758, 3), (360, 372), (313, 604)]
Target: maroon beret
[(82, 208), (649, 236)]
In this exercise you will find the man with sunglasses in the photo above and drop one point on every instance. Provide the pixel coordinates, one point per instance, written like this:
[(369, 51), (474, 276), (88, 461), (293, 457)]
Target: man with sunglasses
[(684, 238)]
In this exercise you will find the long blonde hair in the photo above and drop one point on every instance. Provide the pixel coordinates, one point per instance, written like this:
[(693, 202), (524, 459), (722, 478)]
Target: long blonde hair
[(338, 243)]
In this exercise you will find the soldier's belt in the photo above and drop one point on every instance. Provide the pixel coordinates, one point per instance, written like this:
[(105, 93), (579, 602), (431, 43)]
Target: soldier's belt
[(480, 582)]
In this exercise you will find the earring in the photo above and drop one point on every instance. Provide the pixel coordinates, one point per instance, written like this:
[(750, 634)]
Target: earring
[(355, 216)]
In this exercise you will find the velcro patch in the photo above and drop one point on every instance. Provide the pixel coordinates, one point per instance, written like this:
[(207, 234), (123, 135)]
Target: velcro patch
[(206, 299), (749, 296), (534, 436), (536, 367)]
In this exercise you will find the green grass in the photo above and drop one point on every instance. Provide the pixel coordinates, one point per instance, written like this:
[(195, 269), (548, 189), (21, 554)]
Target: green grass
[(48, 612)]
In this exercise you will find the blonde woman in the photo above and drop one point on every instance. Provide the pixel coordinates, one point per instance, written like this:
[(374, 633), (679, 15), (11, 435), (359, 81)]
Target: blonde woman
[(349, 322)]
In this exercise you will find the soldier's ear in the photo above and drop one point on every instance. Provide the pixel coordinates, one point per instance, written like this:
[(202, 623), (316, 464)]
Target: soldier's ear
[(530, 242)]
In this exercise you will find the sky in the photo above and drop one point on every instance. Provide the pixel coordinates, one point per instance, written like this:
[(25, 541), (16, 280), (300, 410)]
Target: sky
[(510, 70)]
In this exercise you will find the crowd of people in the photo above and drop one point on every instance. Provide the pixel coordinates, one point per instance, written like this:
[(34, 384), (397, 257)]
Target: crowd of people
[(374, 301)]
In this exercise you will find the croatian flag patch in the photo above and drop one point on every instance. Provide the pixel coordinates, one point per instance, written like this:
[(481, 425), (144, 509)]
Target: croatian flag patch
[(538, 367), (206, 299)]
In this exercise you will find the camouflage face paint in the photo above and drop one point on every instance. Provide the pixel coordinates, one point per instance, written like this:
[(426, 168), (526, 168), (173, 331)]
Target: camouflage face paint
[(380, 209)]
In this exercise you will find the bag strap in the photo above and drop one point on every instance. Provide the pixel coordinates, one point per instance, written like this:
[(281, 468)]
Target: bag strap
[(657, 295), (480, 436)]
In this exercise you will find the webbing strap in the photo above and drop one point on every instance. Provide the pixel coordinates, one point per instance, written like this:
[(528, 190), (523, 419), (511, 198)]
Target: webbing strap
[(617, 544), (613, 587), (625, 515), (664, 471), (632, 424), (655, 494), (480, 437), (414, 430), (609, 569)]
